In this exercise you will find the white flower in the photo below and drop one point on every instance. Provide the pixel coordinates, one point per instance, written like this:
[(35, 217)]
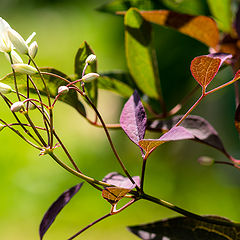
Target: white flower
[(4, 88), (32, 50), (17, 106), (24, 68), (90, 77), (15, 57), (5, 43)]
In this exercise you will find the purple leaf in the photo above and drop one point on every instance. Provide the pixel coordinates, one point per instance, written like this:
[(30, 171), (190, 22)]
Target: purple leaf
[(237, 21), (56, 207), (198, 126), (133, 118), (119, 180)]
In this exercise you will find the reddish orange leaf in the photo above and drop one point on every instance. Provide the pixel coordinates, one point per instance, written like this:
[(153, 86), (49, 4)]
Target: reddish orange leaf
[(202, 28), (114, 194), (148, 145), (204, 68)]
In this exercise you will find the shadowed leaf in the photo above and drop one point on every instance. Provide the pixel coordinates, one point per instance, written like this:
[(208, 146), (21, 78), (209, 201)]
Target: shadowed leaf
[(185, 228), (83, 52), (222, 12), (174, 134), (141, 57), (202, 28), (198, 126), (118, 82), (53, 83), (133, 118), (204, 68), (56, 207)]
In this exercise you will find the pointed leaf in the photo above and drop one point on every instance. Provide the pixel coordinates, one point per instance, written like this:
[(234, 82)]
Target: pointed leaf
[(198, 126), (56, 207), (118, 82), (133, 118), (53, 83), (119, 180), (222, 12), (185, 228), (202, 28), (204, 68), (83, 52), (141, 57), (174, 134)]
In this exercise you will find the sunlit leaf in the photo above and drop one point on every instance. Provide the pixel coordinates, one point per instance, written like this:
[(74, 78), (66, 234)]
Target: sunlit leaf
[(133, 118), (185, 228), (83, 52), (119, 180), (53, 83), (222, 12), (141, 58), (198, 126), (204, 68), (174, 134), (118, 82), (202, 28), (56, 208)]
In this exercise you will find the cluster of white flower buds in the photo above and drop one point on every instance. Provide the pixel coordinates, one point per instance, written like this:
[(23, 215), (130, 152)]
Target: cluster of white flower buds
[(11, 40), (5, 89)]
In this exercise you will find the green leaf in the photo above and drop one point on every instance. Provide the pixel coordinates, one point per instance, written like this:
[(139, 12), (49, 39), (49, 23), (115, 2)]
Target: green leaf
[(124, 5), (91, 87), (118, 82), (195, 7), (141, 58), (221, 10), (53, 83), (185, 228)]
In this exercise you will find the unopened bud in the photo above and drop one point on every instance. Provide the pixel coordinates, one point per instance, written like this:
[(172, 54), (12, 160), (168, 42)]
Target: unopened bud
[(2, 127), (15, 57), (17, 41), (63, 90), (206, 161), (32, 50), (30, 106), (24, 68), (17, 106), (91, 59), (90, 77), (5, 89)]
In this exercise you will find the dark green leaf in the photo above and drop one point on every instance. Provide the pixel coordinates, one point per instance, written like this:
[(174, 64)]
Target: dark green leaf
[(118, 82), (221, 11), (141, 58), (53, 83), (91, 87), (185, 228)]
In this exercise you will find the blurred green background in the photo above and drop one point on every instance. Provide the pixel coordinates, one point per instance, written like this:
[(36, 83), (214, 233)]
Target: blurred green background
[(29, 183)]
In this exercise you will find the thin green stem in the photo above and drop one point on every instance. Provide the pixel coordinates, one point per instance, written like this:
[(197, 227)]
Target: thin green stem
[(186, 213), (78, 174)]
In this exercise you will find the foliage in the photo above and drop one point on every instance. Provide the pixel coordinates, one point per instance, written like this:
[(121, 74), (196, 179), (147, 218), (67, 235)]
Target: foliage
[(145, 109)]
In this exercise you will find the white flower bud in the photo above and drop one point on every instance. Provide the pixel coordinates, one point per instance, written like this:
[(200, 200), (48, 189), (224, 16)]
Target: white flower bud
[(30, 105), (5, 43), (2, 127), (17, 41), (32, 50), (206, 161), (90, 77), (15, 57), (5, 89), (63, 90), (30, 38), (24, 68), (17, 106), (91, 59)]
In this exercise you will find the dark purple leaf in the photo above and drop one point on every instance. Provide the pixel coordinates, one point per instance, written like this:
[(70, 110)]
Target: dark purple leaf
[(133, 118), (237, 118), (198, 126), (119, 180), (185, 228), (237, 21), (174, 134), (56, 207)]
